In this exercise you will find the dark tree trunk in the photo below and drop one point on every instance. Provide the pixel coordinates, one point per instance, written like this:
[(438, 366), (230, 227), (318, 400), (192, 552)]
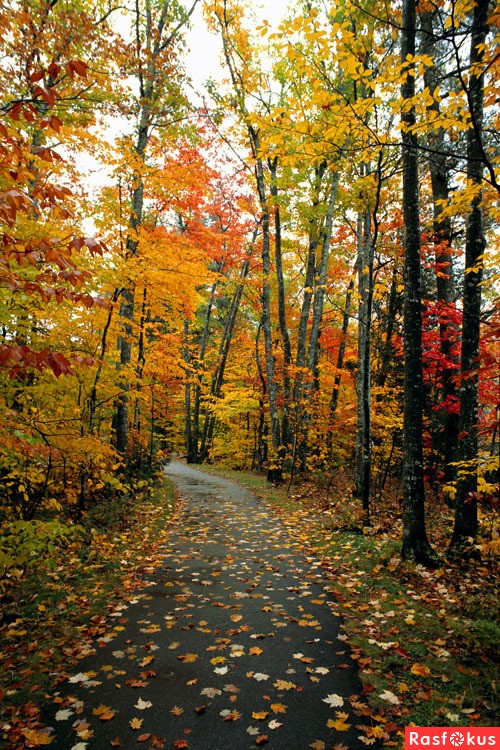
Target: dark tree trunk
[(128, 295), (191, 448), (276, 459), (466, 521), (285, 336), (445, 282), (415, 544)]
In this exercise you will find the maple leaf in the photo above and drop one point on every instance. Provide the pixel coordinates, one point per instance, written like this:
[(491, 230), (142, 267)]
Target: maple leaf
[(255, 651), (318, 745), (262, 740), (260, 676), (389, 697), (338, 724), (188, 658), (221, 670), (278, 708), (420, 669), (260, 715), (273, 724), (63, 714), (181, 745), (334, 700), (36, 738), (218, 660), (177, 711), (142, 705), (104, 713), (136, 723), (232, 716), (284, 685), (253, 731)]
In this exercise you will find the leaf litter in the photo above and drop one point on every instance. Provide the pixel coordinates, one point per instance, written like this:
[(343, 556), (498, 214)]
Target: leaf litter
[(263, 590)]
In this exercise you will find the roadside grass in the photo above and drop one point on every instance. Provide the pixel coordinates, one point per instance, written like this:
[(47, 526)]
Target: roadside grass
[(426, 642), (50, 614)]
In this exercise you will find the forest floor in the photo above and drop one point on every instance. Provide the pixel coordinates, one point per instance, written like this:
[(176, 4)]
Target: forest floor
[(425, 642)]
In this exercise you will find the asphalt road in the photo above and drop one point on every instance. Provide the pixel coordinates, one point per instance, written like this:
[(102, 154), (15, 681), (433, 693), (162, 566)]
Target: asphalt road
[(231, 645)]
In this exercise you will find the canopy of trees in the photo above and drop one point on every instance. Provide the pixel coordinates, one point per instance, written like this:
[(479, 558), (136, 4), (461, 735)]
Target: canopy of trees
[(299, 276)]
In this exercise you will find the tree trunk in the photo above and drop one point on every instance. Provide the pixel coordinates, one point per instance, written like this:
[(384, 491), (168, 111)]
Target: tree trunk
[(415, 543), (276, 459), (285, 336), (191, 449), (320, 279), (466, 521), (225, 344), (127, 306), (334, 400), (363, 385), (445, 282)]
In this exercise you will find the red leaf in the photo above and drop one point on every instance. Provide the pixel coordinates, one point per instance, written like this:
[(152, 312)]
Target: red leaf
[(36, 76), (54, 70), (79, 67), (47, 94)]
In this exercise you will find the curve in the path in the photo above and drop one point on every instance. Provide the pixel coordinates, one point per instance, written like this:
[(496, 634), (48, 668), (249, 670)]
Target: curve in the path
[(231, 645)]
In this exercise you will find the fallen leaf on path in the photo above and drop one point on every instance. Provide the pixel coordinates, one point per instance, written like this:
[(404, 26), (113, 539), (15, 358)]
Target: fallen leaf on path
[(36, 738), (338, 724), (188, 658), (103, 712), (142, 705), (284, 685), (278, 708), (63, 714), (273, 724), (334, 700), (136, 723)]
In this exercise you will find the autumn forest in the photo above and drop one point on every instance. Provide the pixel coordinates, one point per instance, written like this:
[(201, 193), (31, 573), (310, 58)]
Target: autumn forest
[(293, 272)]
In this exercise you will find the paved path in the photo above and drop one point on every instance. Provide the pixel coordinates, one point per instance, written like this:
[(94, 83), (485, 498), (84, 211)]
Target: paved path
[(231, 645)]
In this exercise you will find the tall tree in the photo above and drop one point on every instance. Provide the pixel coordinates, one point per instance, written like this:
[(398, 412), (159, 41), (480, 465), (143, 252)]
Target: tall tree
[(466, 521), (415, 543), (157, 25)]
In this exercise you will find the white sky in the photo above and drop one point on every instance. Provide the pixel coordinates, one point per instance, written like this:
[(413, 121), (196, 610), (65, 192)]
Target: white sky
[(203, 60)]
